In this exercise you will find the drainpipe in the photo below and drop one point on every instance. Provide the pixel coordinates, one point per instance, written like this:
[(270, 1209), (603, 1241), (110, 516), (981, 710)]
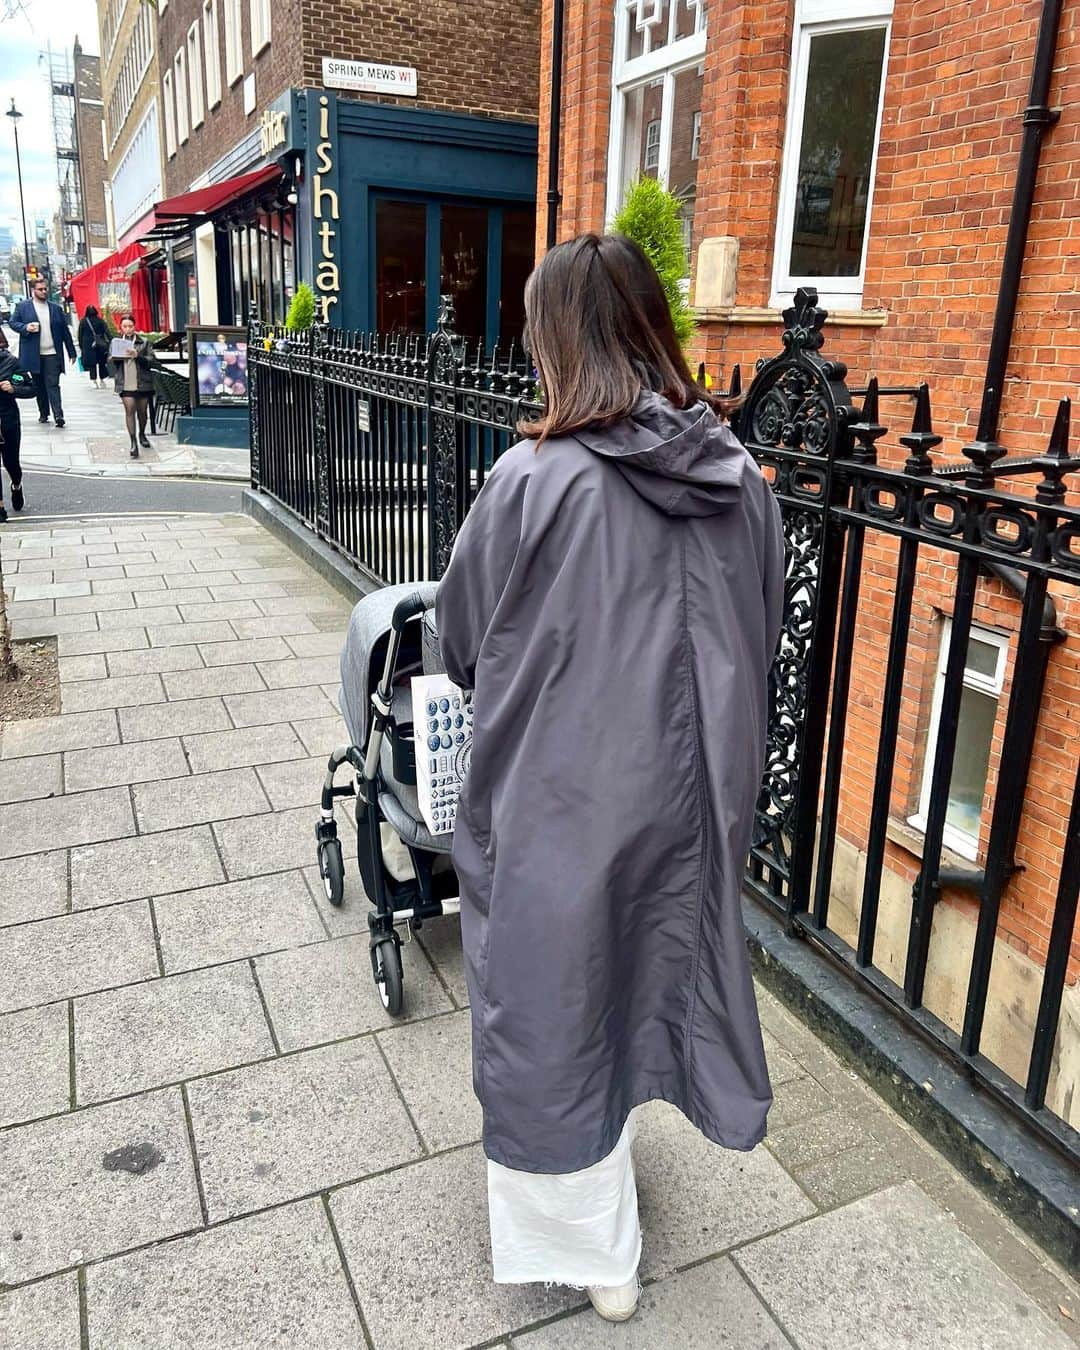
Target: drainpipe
[(1038, 117), (554, 196)]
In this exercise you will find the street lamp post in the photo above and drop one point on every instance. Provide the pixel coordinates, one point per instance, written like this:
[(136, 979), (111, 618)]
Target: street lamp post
[(15, 115)]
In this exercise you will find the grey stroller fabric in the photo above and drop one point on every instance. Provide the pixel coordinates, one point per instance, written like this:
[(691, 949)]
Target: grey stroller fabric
[(615, 600), (361, 668), (362, 655)]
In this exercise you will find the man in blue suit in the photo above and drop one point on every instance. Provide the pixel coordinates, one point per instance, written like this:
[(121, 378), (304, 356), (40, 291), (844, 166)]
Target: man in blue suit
[(44, 336)]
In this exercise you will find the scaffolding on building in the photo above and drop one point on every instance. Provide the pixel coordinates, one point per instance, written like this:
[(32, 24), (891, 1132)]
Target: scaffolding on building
[(72, 219)]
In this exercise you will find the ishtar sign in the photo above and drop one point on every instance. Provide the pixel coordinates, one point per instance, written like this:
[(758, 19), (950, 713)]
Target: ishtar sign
[(325, 208), (368, 77)]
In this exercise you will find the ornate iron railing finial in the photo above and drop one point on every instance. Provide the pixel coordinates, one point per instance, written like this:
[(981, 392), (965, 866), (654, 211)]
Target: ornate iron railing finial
[(921, 439), (447, 319), (803, 321)]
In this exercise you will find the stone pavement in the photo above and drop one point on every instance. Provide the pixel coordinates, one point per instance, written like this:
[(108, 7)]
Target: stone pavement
[(212, 1136), (94, 439)]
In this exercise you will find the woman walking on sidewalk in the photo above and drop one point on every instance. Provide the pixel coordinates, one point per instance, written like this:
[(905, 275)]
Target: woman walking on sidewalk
[(614, 598), (93, 338), (134, 382), (15, 383)]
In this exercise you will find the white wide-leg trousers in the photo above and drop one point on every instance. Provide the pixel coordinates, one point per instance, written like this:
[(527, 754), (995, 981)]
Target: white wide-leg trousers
[(575, 1228)]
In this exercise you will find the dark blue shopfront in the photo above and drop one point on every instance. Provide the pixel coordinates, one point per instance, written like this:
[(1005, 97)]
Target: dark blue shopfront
[(397, 206)]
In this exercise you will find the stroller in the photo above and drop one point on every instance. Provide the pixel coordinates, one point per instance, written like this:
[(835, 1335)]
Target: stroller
[(405, 869)]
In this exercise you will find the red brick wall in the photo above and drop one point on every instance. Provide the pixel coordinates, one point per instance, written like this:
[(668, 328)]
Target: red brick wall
[(957, 84)]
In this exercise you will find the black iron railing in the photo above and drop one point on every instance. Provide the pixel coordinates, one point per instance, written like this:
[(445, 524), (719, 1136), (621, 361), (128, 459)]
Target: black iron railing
[(380, 444)]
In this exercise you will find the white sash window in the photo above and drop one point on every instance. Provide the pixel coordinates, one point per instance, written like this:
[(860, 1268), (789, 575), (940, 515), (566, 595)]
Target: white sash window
[(837, 90), (656, 98)]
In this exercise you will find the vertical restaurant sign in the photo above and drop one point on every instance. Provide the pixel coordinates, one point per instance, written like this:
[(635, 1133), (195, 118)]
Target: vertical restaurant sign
[(327, 211)]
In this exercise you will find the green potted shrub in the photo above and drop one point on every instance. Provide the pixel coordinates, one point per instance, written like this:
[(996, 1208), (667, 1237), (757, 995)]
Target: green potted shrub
[(652, 218)]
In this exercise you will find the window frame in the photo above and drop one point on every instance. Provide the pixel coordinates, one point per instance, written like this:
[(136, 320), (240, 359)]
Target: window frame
[(234, 42), (652, 147), (966, 845), (259, 25), (695, 138), (168, 113), (196, 85), (212, 53), (183, 123), (628, 74), (814, 18)]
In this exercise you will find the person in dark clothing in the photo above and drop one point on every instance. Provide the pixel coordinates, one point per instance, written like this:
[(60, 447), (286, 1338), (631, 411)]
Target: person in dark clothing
[(93, 337), (134, 382), (44, 336), (15, 383)]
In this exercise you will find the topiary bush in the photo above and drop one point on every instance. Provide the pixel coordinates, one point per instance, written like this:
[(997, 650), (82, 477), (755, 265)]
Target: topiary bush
[(301, 313), (651, 217)]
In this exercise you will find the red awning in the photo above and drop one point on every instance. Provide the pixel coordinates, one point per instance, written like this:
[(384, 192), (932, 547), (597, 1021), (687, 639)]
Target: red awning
[(116, 285), (178, 216), (205, 201)]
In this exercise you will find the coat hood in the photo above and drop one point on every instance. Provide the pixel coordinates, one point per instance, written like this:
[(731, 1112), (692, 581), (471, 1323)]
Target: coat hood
[(683, 461)]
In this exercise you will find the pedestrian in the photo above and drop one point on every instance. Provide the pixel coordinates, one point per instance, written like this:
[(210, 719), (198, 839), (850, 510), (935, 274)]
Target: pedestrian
[(614, 599), (44, 336), (15, 383), (93, 338), (134, 382)]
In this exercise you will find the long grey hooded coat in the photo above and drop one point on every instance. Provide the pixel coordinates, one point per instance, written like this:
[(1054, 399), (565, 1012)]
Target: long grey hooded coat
[(614, 598)]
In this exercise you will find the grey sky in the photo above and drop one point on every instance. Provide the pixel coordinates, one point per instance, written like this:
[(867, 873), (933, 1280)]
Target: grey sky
[(22, 38)]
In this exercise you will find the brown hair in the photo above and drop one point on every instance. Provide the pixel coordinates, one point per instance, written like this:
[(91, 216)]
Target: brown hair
[(599, 330)]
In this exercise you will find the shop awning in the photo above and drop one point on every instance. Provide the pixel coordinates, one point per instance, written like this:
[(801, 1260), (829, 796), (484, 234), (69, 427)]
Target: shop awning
[(116, 285), (177, 216)]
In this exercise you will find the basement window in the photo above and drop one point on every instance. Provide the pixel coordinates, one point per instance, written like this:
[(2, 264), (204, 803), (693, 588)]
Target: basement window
[(838, 65), (984, 679)]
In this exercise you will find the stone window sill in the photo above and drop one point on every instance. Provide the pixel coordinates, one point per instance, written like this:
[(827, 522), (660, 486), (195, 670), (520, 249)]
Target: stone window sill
[(762, 314), (913, 841)]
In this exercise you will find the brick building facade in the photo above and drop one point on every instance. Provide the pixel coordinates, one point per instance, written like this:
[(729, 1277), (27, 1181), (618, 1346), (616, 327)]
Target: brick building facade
[(129, 92), (870, 148), (89, 120), (241, 90)]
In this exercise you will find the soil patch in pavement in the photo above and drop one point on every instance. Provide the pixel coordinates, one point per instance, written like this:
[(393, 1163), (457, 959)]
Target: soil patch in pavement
[(35, 692)]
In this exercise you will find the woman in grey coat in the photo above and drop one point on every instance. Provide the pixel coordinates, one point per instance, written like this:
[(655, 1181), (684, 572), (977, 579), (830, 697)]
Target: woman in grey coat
[(134, 381), (614, 598)]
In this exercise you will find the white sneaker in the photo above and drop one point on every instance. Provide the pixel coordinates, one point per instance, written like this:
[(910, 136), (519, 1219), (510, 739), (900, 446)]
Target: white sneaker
[(617, 1303)]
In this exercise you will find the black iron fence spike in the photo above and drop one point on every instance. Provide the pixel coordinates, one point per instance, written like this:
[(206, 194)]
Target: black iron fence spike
[(1059, 437), (870, 402), (736, 380)]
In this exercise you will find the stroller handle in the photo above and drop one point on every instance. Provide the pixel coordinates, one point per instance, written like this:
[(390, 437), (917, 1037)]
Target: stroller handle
[(407, 609)]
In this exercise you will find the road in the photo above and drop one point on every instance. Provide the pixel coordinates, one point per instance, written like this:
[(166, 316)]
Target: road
[(57, 496)]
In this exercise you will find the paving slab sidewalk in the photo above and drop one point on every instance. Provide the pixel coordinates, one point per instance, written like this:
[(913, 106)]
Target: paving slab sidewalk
[(94, 441), (211, 1134)]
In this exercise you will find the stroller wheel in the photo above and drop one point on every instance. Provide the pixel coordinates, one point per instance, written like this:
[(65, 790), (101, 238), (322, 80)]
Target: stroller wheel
[(388, 975), (332, 871)]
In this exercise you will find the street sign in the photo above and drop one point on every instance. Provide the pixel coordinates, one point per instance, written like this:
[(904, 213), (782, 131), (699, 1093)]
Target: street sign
[(368, 77)]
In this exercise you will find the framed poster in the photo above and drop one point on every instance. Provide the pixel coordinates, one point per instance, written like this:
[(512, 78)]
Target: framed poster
[(217, 359)]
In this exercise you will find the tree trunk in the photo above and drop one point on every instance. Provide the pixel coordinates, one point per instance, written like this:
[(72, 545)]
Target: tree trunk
[(8, 669)]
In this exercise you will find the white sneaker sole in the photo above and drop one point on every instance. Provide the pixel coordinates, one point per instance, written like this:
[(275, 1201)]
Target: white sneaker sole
[(609, 1313)]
